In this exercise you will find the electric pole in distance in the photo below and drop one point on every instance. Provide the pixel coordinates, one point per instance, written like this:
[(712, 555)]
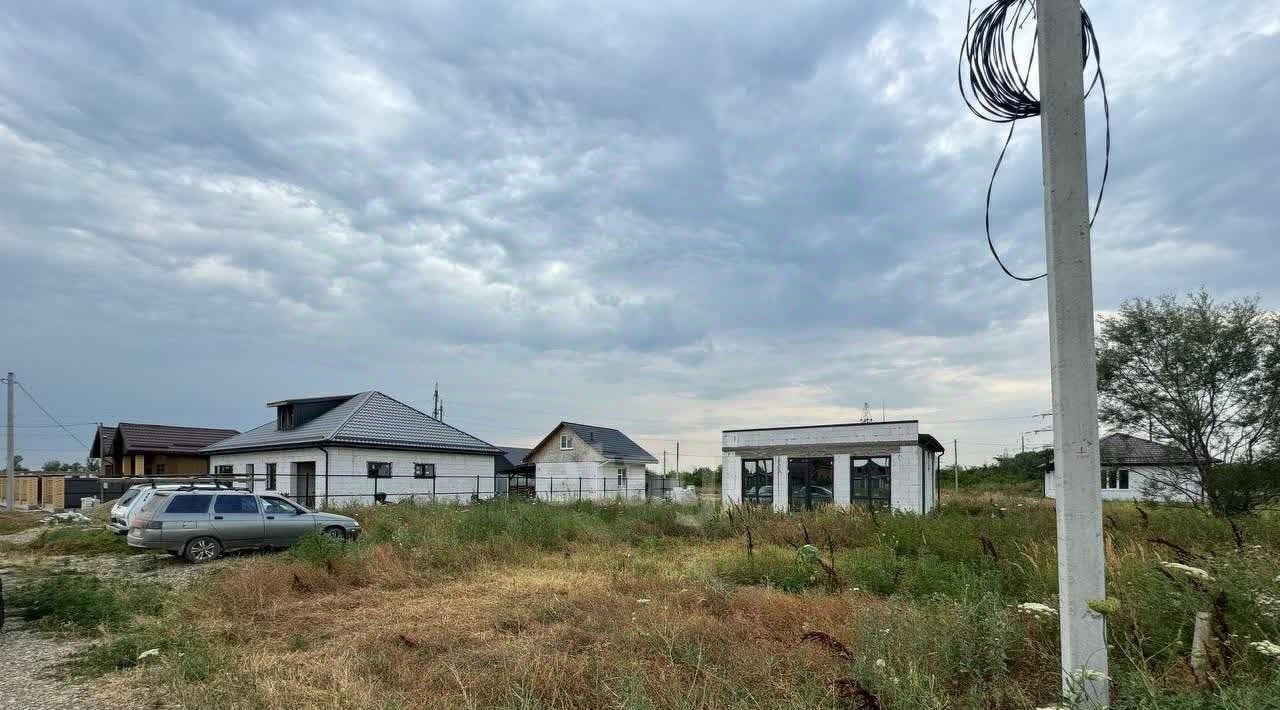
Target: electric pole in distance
[(8, 436), (1081, 571)]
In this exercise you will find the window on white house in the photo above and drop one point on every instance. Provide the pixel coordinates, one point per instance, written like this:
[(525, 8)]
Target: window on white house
[(757, 481), (1115, 479), (622, 476), (271, 477), (870, 480), (424, 470), (378, 469), (566, 442), (223, 470), (248, 473)]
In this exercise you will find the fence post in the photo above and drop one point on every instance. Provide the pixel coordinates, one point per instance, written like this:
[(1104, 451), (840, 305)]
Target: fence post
[(477, 486), (579, 489)]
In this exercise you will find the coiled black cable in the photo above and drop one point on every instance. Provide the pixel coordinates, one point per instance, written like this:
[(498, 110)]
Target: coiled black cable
[(998, 90)]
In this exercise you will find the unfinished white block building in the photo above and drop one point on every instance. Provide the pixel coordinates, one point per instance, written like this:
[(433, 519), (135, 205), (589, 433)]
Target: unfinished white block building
[(889, 464)]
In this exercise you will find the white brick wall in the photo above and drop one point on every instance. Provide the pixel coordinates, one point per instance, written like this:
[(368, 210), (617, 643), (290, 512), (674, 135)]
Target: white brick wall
[(851, 434), (283, 461), (905, 484), (458, 476), (1138, 477), (587, 480), (731, 479)]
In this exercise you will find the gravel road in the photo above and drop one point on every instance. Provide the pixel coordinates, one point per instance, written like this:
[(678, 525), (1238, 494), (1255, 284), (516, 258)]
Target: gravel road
[(25, 662), (29, 677)]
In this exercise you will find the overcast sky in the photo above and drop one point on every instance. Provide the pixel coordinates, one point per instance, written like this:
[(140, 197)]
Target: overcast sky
[(668, 217)]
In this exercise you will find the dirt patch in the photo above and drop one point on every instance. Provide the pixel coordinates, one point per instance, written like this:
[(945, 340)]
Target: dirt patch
[(28, 678)]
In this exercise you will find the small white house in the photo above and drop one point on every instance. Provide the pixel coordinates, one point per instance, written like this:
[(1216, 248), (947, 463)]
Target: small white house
[(331, 451), (797, 468), (583, 462), (1134, 468)]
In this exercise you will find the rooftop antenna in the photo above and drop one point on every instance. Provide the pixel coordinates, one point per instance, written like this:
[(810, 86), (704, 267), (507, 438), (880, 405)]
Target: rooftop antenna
[(866, 413)]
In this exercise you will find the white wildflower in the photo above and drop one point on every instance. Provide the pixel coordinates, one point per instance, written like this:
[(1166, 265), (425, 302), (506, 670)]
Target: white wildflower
[(880, 663), (643, 601), (149, 652), (1266, 648), (1188, 570), (1037, 609)]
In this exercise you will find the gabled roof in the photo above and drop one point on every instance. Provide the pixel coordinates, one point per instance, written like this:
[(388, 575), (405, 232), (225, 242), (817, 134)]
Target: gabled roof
[(369, 419), (514, 455), (610, 443), (1127, 450), (104, 440), (161, 438), (512, 458)]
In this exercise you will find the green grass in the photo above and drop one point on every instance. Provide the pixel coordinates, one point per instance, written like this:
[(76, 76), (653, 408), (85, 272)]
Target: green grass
[(77, 541), (934, 622), (85, 605), (185, 655)]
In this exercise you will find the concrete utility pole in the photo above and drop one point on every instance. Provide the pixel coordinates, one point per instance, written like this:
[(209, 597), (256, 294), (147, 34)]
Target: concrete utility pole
[(955, 461), (8, 436), (1081, 572), (677, 457)]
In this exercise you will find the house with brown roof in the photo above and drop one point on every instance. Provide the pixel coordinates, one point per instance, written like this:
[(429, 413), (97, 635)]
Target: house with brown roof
[(129, 450), (100, 449)]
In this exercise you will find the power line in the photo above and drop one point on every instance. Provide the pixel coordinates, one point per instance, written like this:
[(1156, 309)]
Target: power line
[(47, 414), (999, 90)]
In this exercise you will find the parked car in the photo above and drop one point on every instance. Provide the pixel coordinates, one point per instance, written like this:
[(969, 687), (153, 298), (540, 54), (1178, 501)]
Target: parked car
[(200, 524), (135, 496)]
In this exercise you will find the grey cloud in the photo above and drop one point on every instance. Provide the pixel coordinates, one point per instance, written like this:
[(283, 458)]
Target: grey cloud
[(704, 200)]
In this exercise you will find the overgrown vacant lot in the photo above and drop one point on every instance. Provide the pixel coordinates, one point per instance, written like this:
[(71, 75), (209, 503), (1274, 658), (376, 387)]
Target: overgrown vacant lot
[(536, 606)]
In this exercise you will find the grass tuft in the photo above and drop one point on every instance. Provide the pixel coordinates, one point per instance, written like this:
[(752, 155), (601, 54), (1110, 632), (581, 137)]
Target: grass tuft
[(85, 605)]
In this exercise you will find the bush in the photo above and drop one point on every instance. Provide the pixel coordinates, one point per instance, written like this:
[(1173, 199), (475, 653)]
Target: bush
[(321, 550), (1242, 488), (84, 604)]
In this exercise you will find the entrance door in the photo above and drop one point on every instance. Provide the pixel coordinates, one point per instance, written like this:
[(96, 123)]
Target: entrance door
[(304, 483), (870, 481), (810, 482)]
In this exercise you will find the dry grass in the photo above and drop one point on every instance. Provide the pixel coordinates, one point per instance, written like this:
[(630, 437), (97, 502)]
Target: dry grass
[(588, 630), (539, 607), (18, 520)]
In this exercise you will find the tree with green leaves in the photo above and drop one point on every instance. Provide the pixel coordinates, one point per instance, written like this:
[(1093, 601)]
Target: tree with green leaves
[(1199, 375)]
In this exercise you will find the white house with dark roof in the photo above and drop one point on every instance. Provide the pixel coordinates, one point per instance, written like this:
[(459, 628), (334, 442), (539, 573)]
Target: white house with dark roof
[(876, 464), (329, 451), (583, 462), (1134, 468)]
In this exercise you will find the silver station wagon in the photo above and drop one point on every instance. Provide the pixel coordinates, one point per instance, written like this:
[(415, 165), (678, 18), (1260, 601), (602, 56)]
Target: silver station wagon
[(200, 524)]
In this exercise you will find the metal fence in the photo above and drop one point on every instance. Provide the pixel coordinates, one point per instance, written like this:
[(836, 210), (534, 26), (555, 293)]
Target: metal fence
[(343, 489)]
